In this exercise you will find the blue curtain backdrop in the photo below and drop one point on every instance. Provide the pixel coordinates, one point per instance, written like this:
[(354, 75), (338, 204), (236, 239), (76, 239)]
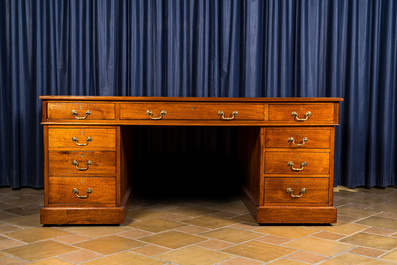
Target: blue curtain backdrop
[(211, 48)]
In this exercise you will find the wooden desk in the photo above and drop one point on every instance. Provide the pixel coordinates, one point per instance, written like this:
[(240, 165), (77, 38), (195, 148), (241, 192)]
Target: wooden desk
[(286, 145)]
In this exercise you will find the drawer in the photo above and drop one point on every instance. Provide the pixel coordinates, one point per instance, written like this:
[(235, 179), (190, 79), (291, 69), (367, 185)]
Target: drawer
[(296, 191), (80, 111), (304, 112), (82, 137), (298, 138), (191, 111), (279, 163), (81, 162), (73, 190)]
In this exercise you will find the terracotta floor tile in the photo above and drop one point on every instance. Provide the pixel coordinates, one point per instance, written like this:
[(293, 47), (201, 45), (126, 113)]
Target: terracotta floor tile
[(245, 218), (109, 245), (28, 221), (194, 255), (10, 243), (356, 212), (275, 240), (10, 260), (157, 225), (96, 231), (369, 252), (246, 226), (173, 239), (287, 231), (319, 245), (175, 217), (344, 228), (71, 239), (328, 235), (52, 261), (387, 215), (394, 235), (151, 250), (125, 258), (241, 261), (5, 228), (286, 262), (6, 215), (2, 255), (22, 211), (214, 244), (210, 221), (36, 234), (224, 214), (379, 231), (144, 214), (345, 259), (236, 207), (259, 251), (232, 235), (135, 234), (371, 240), (40, 250), (193, 211), (193, 229), (380, 222), (345, 218), (80, 256), (307, 257), (392, 256)]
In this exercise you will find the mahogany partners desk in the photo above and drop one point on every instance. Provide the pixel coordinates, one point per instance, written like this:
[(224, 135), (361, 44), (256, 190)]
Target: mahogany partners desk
[(286, 145)]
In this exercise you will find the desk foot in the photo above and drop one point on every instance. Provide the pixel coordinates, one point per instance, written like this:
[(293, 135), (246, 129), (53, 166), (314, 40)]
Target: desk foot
[(289, 214)]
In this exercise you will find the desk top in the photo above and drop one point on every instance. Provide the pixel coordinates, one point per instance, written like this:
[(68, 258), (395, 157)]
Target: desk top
[(209, 111), (191, 99)]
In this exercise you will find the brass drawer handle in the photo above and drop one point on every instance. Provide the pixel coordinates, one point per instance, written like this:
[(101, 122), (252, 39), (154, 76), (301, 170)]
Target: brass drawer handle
[(75, 163), (292, 140), (150, 114), (74, 113), (76, 191), (291, 193), (291, 165), (307, 115), (222, 114), (88, 140)]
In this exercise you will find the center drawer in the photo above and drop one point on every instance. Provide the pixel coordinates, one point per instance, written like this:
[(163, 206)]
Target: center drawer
[(191, 111), (82, 190), (289, 191), (63, 162), (297, 163)]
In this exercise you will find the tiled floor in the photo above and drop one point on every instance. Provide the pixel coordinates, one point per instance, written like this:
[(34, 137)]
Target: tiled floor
[(193, 231)]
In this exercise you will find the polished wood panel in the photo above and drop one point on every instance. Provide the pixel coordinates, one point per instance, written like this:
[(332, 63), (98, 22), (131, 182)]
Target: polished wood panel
[(190, 111), (61, 162), (316, 138), (277, 163), (319, 112), (316, 191), (82, 215), (63, 111), (100, 138), (103, 190), (296, 215)]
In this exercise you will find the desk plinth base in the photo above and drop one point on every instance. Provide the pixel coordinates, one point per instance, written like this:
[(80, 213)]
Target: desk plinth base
[(290, 214), (97, 215)]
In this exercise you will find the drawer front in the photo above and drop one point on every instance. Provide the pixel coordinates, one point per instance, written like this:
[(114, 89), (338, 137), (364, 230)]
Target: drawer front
[(304, 112), (298, 138), (80, 111), (191, 111), (279, 163), (81, 138), (73, 190), (296, 191), (81, 162)]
